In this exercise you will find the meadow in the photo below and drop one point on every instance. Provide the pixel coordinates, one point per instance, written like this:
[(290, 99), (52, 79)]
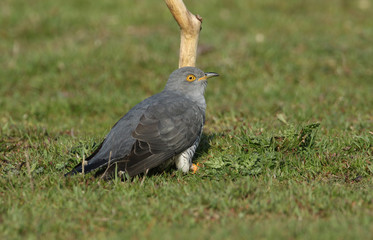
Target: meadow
[(287, 149)]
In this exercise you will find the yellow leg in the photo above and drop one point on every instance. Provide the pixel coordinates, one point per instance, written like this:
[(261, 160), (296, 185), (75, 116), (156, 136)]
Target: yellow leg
[(195, 167)]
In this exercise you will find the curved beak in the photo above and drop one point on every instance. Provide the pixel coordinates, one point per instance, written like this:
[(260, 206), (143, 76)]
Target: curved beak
[(208, 75)]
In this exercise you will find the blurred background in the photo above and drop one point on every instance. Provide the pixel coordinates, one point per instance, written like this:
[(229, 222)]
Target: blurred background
[(79, 64)]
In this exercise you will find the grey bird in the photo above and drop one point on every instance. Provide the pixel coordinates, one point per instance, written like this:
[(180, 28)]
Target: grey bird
[(163, 129)]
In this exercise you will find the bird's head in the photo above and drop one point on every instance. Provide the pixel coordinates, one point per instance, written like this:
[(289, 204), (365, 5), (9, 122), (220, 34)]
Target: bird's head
[(190, 81)]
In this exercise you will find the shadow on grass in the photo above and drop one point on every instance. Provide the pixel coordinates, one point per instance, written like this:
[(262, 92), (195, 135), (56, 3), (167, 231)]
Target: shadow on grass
[(204, 145)]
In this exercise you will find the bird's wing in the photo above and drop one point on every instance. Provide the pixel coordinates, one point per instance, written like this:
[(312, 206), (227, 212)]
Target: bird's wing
[(164, 130), (118, 142)]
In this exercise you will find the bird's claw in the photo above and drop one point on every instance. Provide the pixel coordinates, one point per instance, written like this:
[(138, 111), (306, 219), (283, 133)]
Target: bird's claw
[(195, 167)]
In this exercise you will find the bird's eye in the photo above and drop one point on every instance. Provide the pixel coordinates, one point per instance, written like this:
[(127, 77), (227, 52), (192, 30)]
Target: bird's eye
[(191, 78)]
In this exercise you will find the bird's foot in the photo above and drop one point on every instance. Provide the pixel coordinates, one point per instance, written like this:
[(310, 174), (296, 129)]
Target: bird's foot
[(195, 167)]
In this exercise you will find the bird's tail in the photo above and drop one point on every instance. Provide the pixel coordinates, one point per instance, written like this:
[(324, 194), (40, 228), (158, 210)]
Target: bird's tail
[(90, 163), (88, 167)]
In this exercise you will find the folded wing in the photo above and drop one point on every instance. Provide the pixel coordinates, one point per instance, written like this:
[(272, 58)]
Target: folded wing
[(163, 132)]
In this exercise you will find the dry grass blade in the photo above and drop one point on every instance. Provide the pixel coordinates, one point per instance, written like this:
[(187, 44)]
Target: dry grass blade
[(29, 170), (107, 168)]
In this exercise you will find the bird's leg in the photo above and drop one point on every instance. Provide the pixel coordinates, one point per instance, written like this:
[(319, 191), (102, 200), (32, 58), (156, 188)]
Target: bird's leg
[(182, 161), (195, 167)]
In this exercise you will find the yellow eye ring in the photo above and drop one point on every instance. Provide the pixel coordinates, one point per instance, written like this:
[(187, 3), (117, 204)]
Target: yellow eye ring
[(191, 78)]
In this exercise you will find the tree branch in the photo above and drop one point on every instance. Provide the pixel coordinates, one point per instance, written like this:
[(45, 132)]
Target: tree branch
[(190, 26)]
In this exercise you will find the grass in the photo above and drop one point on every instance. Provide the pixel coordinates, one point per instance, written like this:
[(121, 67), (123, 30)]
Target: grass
[(287, 150)]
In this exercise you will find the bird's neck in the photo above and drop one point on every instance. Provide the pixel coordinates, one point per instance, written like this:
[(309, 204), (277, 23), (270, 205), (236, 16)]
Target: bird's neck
[(199, 100), (196, 97)]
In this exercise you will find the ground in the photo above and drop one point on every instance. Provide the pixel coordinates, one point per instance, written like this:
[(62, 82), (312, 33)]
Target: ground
[(287, 151)]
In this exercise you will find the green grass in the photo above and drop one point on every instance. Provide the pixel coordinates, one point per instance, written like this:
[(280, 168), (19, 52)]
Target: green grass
[(287, 150)]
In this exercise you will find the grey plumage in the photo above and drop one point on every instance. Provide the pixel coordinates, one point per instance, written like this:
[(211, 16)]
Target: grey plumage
[(165, 126)]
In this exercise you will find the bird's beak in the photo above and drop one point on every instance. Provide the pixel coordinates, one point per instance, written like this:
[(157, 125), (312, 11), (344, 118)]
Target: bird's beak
[(208, 75)]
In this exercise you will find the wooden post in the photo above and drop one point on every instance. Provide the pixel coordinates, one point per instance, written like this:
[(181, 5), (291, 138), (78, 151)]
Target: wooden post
[(190, 26)]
